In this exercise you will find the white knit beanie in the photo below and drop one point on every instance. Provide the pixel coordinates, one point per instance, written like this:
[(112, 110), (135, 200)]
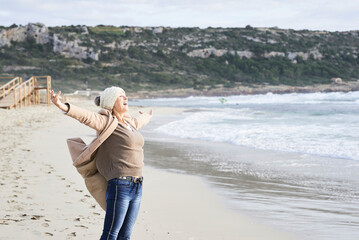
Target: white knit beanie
[(109, 96)]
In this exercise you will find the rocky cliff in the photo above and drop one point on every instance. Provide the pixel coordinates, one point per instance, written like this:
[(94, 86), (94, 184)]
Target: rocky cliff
[(37, 31), (40, 33), (181, 57)]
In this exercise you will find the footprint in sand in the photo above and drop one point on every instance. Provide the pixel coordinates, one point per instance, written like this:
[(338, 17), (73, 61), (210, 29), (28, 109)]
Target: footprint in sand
[(36, 217), (81, 226), (3, 222), (45, 224), (64, 229)]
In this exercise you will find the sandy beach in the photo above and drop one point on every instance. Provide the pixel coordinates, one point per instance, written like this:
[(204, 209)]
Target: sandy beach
[(43, 197)]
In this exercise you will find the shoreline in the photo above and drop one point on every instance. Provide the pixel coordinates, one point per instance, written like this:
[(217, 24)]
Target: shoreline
[(248, 90), (42, 195), (221, 91)]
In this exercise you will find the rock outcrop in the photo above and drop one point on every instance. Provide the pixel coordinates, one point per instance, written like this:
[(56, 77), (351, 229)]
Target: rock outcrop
[(336, 80), (73, 49), (274, 54), (206, 52), (40, 33), (157, 30), (37, 31), (305, 55)]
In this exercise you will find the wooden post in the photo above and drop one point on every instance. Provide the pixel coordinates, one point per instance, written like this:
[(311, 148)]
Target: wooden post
[(37, 93), (20, 97), (48, 85), (15, 98), (20, 82), (25, 94), (28, 93), (32, 91)]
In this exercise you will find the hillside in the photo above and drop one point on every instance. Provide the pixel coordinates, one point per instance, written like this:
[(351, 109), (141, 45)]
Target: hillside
[(154, 58)]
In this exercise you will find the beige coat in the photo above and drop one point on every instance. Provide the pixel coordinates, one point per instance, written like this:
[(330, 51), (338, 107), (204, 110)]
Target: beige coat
[(84, 156)]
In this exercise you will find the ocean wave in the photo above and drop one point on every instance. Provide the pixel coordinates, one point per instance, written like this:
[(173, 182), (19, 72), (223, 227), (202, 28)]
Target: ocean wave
[(259, 99), (320, 135)]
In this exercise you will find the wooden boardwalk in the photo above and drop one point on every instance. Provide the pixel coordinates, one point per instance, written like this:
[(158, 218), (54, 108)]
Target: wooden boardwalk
[(16, 93)]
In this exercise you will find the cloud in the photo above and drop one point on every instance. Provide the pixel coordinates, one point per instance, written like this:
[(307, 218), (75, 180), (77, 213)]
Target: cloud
[(304, 14)]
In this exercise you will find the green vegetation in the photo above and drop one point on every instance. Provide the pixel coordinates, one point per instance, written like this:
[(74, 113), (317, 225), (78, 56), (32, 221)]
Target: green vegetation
[(106, 30), (144, 59)]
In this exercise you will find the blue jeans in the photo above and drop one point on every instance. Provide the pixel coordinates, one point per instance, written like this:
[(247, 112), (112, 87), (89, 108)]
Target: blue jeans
[(123, 200)]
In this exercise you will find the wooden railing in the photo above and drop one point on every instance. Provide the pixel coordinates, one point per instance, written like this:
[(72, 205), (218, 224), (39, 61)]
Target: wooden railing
[(16, 93), (10, 86), (44, 83), (23, 91)]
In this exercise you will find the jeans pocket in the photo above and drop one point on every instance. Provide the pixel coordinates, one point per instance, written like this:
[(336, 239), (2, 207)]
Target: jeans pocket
[(123, 183)]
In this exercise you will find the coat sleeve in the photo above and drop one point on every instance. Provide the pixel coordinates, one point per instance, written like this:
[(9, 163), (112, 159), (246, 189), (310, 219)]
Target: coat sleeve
[(92, 119), (142, 120), (139, 121)]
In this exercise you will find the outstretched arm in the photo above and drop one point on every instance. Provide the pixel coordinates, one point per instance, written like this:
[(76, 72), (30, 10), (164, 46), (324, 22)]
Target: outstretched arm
[(143, 119), (57, 102), (92, 119)]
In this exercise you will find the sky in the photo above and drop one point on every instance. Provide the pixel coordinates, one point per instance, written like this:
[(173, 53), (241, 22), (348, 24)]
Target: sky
[(330, 15)]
